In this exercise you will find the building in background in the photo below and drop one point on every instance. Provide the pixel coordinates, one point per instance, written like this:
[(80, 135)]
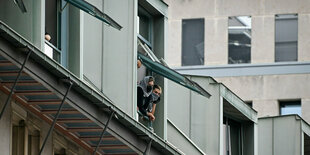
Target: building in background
[(259, 49)]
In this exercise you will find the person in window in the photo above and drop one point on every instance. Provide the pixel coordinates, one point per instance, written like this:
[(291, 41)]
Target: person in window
[(47, 37), (151, 102), (147, 104), (47, 49), (144, 90), (139, 63)]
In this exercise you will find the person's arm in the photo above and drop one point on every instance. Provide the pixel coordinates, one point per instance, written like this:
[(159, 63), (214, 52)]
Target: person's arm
[(153, 109)]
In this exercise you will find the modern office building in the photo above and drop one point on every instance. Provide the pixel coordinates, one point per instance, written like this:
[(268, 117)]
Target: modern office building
[(259, 49)]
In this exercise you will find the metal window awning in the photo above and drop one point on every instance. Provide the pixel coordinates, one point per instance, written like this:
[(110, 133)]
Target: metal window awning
[(92, 10), (172, 75)]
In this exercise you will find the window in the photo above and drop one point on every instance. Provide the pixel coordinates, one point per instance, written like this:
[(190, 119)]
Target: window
[(52, 28), (232, 137), (290, 107), (192, 42), (286, 35), (144, 26), (18, 138), (33, 142), (239, 39)]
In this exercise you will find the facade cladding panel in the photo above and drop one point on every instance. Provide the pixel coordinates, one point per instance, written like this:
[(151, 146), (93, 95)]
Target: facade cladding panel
[(192, 42)]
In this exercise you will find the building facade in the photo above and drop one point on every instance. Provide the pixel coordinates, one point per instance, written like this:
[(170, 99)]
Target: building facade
[(259, 49)]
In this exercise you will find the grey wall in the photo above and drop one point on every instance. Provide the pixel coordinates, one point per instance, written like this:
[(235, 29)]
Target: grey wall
[(93, 46), (196, 116), (75, 49), (119, 55), (26, 24), (279, 135)]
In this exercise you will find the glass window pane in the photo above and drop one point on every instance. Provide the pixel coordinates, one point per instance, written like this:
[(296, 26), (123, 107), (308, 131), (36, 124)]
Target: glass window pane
[(290, 107), (144, 27), (286, 37), (192, 42), (239, 39)]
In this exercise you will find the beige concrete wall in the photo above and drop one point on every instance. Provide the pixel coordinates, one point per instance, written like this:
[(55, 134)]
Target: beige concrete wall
[(303, 37), (216, 41), (262, 50), (265, 91), (216, 13)]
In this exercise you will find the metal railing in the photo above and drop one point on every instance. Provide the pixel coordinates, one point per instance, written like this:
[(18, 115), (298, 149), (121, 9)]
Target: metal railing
[(56, 52), (146, 119)]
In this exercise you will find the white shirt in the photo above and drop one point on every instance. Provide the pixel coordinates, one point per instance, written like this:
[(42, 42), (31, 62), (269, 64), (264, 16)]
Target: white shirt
[(48, 50)]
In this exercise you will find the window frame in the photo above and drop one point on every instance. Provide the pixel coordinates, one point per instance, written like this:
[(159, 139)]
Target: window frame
[(282, 104), (203, 41), (149, 41), (275, 36), (228, 34)]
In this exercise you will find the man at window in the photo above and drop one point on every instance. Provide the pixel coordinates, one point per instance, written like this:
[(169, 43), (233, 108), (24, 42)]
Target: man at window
[(147, 98), (47, 49)]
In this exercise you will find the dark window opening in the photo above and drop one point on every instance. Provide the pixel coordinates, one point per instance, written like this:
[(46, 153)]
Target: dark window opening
[(286, 37), (192, 42), (232, 137), (239, 40)]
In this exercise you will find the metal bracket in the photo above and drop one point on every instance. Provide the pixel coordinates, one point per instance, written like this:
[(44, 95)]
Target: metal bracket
[(56, 117), (62, 9), (14, 85), (148, 148), (102, 134)]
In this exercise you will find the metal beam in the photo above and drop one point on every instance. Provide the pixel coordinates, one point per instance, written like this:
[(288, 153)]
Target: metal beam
[(34, 92), (13, 87), (102, 134), (44, 102), (55, 119), (76, 120), (65, 111), (112, 147), (22, 83), (110, 138), (148, 148)]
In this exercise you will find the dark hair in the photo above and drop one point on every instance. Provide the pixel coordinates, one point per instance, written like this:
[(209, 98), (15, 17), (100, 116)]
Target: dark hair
[(156, 87), (151, 79)]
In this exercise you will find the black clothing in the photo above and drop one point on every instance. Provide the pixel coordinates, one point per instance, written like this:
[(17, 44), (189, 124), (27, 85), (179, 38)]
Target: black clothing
[(145, 104)]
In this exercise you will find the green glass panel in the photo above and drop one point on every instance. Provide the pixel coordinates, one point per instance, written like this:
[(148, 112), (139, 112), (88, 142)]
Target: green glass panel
[(172, 75), (92, 10)]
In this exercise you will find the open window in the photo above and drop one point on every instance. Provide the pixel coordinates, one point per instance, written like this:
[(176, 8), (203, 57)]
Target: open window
[(148, 59), (52, 29)]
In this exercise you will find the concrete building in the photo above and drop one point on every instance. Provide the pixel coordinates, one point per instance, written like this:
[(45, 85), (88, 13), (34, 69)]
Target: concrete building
[(76, 93), (259, 49)]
